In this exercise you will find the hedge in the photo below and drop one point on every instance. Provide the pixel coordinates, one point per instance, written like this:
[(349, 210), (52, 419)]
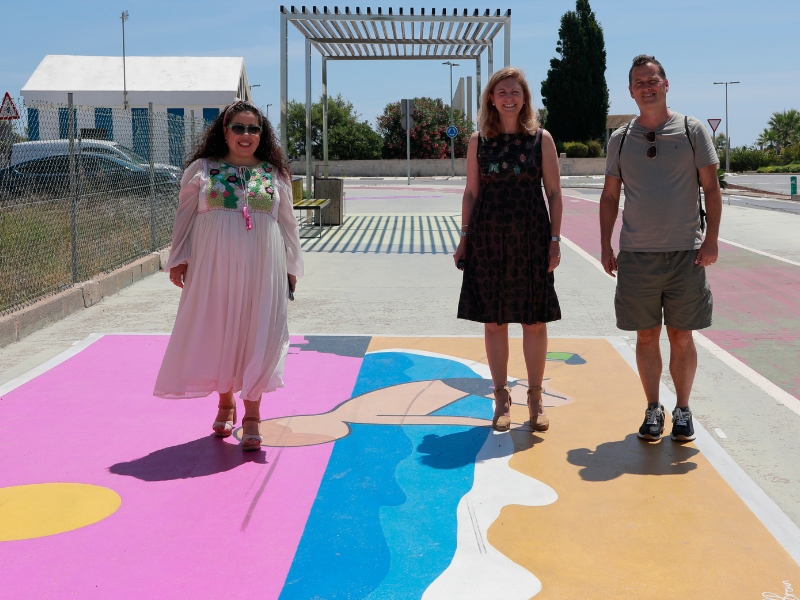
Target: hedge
[(792, 168)]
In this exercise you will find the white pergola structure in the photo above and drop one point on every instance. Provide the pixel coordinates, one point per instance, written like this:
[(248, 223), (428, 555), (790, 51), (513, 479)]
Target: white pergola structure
[(386, 36)]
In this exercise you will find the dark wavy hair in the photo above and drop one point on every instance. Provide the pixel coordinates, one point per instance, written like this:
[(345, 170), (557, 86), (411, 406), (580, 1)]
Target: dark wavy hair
[(213, 144)]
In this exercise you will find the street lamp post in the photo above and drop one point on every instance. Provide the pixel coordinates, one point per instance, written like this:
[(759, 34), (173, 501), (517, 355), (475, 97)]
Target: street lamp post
[(267, 111), (727, 137), (452, 140), (124, 18)]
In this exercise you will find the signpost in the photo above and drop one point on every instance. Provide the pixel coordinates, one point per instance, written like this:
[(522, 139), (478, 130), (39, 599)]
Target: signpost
[(714, 124), (8, 110), (407, 121)]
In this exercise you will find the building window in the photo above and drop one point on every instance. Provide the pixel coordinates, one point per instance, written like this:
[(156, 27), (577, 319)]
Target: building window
[(33, 124), (63, 123), (176, 133), (141, 132), (209, 114), (104, 120)]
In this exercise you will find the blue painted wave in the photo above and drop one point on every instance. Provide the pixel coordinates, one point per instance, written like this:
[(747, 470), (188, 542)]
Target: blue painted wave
[(384, 523)]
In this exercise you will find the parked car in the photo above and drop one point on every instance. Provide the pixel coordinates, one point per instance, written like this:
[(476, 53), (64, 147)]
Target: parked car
[(28, 151), (50, 177)]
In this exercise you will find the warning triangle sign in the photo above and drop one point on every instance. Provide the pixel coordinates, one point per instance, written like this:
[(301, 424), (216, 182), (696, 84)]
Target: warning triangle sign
[(8, 110)]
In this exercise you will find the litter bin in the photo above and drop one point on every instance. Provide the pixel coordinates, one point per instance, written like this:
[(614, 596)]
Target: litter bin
[(332, 188)]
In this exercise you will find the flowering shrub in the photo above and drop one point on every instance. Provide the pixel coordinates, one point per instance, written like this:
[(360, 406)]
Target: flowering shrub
[(428, 135)]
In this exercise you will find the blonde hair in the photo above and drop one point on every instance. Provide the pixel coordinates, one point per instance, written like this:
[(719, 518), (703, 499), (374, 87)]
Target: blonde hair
[(489, 118)]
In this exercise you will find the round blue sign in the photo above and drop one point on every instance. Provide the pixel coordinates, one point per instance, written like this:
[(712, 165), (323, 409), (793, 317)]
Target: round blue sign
[(452, 131)]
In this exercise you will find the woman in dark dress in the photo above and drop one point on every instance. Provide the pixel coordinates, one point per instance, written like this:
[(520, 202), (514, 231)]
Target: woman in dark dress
[(509, 239)]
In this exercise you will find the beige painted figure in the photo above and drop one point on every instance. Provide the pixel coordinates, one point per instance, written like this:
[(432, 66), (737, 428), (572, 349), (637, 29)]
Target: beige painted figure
[(403, 404)]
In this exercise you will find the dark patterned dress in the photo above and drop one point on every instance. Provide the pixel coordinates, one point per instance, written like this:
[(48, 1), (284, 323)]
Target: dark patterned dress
[(505, 275)]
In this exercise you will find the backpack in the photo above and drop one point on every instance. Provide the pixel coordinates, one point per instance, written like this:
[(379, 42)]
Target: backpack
[(686, 128)]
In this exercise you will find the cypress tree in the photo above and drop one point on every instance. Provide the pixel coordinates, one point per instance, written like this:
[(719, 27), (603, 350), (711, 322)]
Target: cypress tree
[(575, 93)]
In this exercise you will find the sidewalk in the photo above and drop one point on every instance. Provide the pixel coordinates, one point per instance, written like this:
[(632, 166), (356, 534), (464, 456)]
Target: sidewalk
[(407, 510)]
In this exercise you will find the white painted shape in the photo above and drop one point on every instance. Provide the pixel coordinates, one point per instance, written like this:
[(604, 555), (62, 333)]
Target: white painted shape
[(478, 570), (782, 528), (720, 433)]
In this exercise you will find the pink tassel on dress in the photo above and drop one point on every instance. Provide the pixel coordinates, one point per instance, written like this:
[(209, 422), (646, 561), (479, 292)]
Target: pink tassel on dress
[(248, 222)]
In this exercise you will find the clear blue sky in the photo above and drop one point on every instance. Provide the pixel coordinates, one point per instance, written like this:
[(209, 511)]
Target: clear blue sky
[(698, 43)]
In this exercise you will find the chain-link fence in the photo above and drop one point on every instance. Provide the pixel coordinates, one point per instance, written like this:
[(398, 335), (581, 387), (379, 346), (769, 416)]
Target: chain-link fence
[(84, 190)]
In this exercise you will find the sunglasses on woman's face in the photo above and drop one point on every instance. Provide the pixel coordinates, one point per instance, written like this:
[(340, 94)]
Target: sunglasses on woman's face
[(239, 129), (650, 136)]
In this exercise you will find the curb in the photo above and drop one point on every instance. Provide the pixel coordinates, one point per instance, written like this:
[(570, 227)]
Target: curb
[(22, 323)]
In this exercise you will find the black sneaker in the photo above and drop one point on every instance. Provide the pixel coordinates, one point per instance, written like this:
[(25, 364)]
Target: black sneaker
[(682, 428), (653, 425)]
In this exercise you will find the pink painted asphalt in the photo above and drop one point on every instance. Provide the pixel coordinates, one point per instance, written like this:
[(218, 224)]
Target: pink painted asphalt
[(198, 518), (756, 300)]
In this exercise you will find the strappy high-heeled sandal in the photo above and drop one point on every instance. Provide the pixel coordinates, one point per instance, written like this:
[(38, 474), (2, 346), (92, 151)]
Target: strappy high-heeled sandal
[(539, 419), (502, 410), (251, 442), (224, 429)]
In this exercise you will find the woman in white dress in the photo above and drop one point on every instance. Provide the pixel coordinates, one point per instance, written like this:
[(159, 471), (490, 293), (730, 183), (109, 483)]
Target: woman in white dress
[(236, 254)]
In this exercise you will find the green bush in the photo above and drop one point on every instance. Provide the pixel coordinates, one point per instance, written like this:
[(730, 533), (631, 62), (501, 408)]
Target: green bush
[(560, 148), (595, 148), (790, 168), (746, 158), (576, 149), (791, 154)]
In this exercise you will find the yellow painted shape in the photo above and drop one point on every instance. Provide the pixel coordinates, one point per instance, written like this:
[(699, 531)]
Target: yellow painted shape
[(39, 510), (633, 519)]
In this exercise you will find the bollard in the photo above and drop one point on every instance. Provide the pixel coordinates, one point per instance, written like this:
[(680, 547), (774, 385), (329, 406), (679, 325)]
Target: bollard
[(793, 182)]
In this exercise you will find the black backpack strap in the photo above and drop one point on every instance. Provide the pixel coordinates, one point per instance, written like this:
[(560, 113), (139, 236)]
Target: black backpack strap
[(621, 143), (699, 196)]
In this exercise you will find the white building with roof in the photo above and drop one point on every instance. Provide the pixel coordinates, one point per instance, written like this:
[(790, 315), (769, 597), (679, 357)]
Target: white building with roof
[(180, 86)]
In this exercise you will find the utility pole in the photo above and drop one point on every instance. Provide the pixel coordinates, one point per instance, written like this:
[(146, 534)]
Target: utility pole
[(727, 136), (124, 18), (452, 138)]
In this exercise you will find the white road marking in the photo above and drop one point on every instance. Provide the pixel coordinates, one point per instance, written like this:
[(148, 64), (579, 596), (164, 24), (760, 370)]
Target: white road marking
[(729, 359), (775, 256), (720, 433), (763, 507)]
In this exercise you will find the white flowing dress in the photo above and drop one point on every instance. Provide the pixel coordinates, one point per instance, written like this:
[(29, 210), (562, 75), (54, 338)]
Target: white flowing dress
[(231, 329)]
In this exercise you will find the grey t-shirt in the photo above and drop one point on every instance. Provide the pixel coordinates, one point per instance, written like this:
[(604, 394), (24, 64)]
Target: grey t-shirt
[(661, 213)]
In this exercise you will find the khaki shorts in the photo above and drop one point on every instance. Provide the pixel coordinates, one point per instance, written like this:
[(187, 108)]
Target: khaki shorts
[(650, 284)]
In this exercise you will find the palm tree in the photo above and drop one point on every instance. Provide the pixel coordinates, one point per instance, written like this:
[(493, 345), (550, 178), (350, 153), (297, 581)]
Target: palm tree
[(786, 128), (767, 140)]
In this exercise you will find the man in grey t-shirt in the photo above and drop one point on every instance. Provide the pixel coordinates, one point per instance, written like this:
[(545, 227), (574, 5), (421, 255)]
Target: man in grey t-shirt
[(660, 156)]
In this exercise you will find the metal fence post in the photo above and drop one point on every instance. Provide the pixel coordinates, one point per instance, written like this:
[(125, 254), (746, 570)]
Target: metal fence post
[(73, 187), (152, 177)]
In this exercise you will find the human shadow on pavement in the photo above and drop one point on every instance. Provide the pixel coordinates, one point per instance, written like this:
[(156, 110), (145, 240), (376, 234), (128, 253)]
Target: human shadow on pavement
[(198, 458), (634, 457), (453, 450)]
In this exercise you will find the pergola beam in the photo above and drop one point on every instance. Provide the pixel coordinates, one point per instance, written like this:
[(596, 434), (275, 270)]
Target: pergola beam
[(346, 36)]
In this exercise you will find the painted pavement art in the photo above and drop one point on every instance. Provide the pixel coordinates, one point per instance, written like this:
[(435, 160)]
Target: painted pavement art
[(380, 478)]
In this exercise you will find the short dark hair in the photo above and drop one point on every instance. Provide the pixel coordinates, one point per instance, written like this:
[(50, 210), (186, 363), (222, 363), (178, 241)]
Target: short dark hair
[(644, 59)]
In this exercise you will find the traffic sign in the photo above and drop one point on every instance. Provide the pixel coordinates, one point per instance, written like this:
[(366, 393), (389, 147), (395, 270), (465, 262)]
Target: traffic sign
[(452, 131), (714, 124), (8, 110), (406, 114)]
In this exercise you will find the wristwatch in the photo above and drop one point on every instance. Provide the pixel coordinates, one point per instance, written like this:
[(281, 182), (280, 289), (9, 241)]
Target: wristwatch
[(555, 238)]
